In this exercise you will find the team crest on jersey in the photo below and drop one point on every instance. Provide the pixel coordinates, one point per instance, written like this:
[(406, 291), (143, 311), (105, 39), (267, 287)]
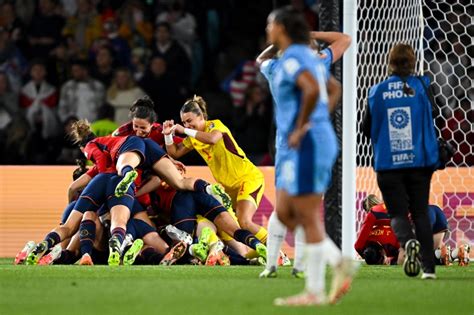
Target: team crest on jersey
[(291, 65)]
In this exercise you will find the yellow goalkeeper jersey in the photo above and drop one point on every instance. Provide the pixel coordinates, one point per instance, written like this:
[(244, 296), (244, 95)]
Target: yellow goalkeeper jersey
[(227, 161)]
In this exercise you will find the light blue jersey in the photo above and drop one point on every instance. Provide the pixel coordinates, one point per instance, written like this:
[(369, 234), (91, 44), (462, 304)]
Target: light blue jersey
[(308, 168)]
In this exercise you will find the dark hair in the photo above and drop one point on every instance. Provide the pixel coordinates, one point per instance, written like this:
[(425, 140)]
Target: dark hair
[(294, 23), (196, 105), (143, 108), (80, 62), (37, 62), (373, 254)]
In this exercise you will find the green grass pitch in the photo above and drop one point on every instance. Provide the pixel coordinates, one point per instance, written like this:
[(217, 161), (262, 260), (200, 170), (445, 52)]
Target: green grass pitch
[(230, 290)]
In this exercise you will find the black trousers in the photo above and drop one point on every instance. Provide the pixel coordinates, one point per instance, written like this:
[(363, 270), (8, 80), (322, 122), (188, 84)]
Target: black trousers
[(407, 191)]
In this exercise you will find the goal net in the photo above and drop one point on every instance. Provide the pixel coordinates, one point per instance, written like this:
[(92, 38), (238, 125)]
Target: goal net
[(440, 32)]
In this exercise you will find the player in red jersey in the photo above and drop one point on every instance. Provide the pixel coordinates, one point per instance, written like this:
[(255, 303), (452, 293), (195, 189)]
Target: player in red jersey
[(144, 125), (127, 153), (182, 207), (376, 242)]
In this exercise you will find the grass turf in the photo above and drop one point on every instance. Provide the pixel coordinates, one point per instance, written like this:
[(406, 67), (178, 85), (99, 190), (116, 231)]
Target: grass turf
[(220, 290)]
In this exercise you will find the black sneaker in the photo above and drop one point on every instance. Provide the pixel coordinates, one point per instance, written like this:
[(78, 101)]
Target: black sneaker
[(412, 265)]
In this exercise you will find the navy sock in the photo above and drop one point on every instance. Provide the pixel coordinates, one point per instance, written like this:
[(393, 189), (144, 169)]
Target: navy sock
[(235, 258), (126, 169), (67, 258), (187, 226), (87, 236), (247, 238), (119, 233), (52, 239), (200, 185), (151, 256)]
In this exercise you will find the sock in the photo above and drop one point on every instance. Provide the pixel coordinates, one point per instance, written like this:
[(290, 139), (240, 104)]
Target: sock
[(52, 239), (262, 235), (252, 254), (151, 256), (298, 263), (246, 237), (454, 253), (67, 258), (119, 233), (87, 236), (213, 239), (316, 268), (187, 226), (235, 258), (200, 185), (276, 235), (126, 169), (331, 252)]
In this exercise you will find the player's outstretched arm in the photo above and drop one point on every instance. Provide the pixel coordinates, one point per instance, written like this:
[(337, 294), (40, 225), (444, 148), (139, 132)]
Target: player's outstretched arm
[(152, 184), (338, 42), (267, 54), (175, 150), (77, 185)]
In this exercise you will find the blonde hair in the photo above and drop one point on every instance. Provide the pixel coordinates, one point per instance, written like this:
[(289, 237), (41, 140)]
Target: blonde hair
[(80, 130), (370, 201), (196, 105), (113, 89)]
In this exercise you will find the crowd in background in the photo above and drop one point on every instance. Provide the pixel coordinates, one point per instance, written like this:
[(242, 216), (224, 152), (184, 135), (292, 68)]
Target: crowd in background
[(64, 60)]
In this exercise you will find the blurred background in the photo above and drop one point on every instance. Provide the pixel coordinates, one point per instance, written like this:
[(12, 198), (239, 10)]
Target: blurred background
[(63, 60)]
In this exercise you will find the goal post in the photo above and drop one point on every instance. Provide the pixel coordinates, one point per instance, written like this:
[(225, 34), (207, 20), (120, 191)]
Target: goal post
[(439, 32)]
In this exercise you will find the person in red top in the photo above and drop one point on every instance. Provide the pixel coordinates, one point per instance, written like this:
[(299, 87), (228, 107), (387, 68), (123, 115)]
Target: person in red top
[(376, 242), (183, 206), (144, 125), (127, 153)]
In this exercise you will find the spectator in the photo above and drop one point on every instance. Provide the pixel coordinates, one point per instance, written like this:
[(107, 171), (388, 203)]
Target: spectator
[(84, 27), (163, 90), (138, 62), (104, 66), (39, 99), (14, 131), (134, 27), (12, 24), (183, 24), (59, 65), (82, 95), (105, 124), (178, 63), (119, 45), (45, 29), (12, 61), (122, 93), (252, 123)]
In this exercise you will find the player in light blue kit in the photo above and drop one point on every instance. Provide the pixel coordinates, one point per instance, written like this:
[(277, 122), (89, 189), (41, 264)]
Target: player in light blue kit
[(338, 44), (307, 150)]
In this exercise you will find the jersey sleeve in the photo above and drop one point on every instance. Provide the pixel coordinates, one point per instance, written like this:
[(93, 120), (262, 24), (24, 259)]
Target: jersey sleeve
[(266, 68), (326, 58), (123, 130), (188, 143), (217, 125), (92, 172), (97, 156)]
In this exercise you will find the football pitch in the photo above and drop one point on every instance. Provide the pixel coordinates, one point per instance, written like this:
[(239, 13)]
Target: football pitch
[(220, 290)]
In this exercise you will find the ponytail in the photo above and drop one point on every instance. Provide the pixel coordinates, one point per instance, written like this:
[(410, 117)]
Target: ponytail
[(196, 105)]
